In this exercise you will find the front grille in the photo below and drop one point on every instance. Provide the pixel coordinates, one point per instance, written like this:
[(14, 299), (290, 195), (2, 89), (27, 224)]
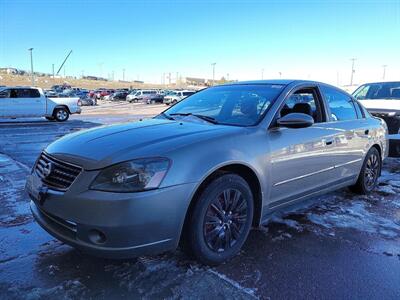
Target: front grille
[(54, 173)]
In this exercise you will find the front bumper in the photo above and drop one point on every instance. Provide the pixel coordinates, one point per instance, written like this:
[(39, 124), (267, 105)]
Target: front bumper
[(129, 224)]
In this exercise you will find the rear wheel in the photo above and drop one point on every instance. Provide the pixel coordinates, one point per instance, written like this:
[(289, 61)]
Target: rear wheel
[(369, 174), (221, 220), (61, 114)]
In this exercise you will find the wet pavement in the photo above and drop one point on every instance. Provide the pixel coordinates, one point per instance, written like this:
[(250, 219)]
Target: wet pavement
[(339, 245)]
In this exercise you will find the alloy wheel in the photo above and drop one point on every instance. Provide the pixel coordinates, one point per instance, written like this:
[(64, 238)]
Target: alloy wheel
[(371, 170), (225, 220), (62, 114)]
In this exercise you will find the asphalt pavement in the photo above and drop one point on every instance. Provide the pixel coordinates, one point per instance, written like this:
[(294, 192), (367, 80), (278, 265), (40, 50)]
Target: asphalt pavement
[(339, 245)]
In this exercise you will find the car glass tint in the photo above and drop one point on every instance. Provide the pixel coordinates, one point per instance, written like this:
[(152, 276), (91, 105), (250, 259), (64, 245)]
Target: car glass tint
[(240, 105), (5, 94), (340, 104), (34, 93)]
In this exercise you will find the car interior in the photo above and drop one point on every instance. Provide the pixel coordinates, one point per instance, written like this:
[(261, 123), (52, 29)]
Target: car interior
[(303, 101)]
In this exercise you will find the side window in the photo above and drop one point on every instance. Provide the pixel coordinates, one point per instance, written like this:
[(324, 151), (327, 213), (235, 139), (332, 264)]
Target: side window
[(361, 93), (340, 104), (5, 94), (23, 93), (303, 101), (34, 93)]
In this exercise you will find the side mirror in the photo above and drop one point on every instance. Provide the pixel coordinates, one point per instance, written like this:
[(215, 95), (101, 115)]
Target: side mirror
[(296, 120)]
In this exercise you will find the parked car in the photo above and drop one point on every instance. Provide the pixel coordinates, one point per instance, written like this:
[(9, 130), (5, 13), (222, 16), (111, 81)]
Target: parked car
[(206, 170), (87, 101), (19, 102), (59, 88), (140, 95), (176, 96), (153, 98), (50, 93), (119, 96), (382, 99), (105, 93)]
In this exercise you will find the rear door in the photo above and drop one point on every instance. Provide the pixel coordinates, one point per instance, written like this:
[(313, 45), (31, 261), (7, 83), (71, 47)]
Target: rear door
[(351, 131), (28, 102)]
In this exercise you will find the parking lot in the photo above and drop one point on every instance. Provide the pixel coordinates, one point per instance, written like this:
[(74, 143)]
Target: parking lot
[(339, 245)]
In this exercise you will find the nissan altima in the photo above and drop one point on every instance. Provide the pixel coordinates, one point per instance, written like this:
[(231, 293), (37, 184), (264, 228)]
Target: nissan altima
[(205, 171)]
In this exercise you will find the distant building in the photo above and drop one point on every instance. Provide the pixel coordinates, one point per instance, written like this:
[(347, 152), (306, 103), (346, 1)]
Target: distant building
[(192, 81), (9, 71)]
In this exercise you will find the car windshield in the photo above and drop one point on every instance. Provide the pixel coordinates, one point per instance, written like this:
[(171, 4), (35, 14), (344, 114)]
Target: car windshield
[(385, 90), (238, 105)]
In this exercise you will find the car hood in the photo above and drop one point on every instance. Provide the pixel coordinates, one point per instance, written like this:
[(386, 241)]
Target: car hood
[(384, 104), (103, 146)]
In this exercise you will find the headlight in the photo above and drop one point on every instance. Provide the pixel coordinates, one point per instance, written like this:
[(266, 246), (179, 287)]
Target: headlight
[(132, 176)]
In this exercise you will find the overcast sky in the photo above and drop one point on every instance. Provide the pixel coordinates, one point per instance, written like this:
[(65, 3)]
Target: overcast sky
[(299, 39)]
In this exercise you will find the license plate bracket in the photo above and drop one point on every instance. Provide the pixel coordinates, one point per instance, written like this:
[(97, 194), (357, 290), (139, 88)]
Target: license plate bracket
[(35, 188)]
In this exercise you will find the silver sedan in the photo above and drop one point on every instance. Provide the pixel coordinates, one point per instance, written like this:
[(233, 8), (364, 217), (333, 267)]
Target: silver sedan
[(206, 170)]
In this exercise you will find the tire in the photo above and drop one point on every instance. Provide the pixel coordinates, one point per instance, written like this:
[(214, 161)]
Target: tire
[(61, 114), (50, 118), (369, 174), (228, 225)]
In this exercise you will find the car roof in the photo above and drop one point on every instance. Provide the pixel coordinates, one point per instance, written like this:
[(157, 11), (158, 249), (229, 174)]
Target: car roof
[(381, 82), (268, 81)]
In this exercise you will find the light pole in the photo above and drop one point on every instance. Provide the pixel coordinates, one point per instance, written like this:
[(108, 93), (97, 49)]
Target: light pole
[(53, 70), (352, 70), (384, 72), (213, 78), (32, 76)]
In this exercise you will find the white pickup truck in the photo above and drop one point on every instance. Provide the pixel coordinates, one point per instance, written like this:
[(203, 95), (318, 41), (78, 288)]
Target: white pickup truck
[(18, 102)]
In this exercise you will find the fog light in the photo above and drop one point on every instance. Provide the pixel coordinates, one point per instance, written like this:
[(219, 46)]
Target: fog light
[(97, 237)]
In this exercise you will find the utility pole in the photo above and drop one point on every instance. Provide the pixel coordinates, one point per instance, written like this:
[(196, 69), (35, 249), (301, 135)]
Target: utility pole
[(32, 75), (53, 70), (262, 74), (384, 72), (213, 78), (123, 74), (352, 70)]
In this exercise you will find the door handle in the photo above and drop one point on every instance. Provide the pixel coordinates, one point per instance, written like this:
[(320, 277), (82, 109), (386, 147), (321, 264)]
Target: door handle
[(329, 142)]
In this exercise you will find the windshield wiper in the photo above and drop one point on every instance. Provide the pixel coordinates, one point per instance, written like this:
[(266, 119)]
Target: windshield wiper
[(205, 118), (166, 116)]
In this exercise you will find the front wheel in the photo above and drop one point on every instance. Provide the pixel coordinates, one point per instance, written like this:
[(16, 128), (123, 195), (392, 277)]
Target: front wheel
[(369, 174), (61, 114), (221, 220)]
